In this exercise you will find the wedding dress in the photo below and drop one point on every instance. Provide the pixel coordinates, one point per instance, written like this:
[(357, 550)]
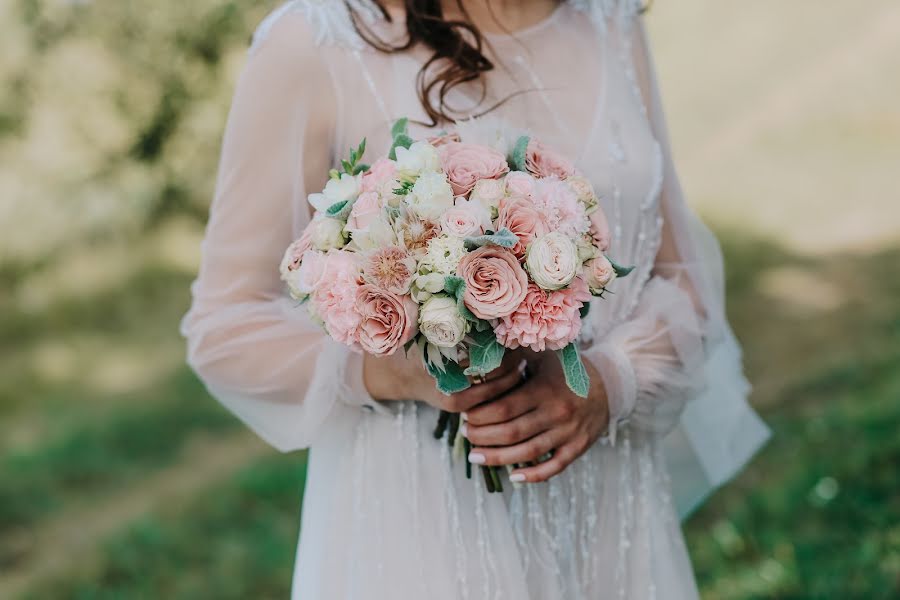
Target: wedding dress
[(386, 515)]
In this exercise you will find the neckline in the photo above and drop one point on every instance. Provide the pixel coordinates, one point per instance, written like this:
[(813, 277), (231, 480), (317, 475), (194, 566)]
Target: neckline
[(535, 27)]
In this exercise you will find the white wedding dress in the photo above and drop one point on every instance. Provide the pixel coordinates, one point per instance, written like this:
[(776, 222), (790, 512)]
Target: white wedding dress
[(386, 514)]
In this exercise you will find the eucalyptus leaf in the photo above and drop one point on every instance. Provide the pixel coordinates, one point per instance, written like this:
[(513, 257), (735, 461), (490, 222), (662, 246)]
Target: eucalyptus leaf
[(517, 158), (576, 375), (454, 285), (619, 269), (504, 238), (485, 353), (451, 380)]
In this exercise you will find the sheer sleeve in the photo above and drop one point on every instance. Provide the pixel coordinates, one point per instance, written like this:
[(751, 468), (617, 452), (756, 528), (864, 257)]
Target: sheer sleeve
[(654, 362), (257, 352)]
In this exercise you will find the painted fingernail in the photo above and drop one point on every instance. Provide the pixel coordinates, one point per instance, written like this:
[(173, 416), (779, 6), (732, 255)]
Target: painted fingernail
[(463, 430), (517, 478), (464, 416), (476, 459)]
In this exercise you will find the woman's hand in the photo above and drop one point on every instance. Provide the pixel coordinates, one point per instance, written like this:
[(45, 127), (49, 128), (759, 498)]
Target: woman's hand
[(540, 416), (398, 377)]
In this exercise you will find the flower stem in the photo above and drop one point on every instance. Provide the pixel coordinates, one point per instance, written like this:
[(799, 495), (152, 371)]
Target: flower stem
[(443, 419)]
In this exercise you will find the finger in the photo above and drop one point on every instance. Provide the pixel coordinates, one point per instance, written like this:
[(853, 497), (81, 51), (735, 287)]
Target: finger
[(507, 433), (482, 392), (529, 450), (508, 406), (511, 362), (558, 463)]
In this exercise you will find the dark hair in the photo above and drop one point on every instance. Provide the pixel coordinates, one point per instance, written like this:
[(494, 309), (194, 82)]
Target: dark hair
[(457, 47)]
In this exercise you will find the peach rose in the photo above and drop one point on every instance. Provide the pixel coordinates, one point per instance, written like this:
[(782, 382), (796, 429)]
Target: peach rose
[(382, 170), (600, 229), (495, 282), (523, 218), (366, 209), (544, 320), (465, 164), (387, 321), (542, 161), (293, 256), (599, 273)]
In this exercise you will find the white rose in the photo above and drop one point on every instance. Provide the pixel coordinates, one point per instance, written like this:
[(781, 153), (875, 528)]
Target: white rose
[(587, 249), (489, 192), (420, 157), (441, 323), (598, 273), (336, 190), (552, 261), (378, 234), (328, 234), (584, 191), (424, 286), (431, 196)]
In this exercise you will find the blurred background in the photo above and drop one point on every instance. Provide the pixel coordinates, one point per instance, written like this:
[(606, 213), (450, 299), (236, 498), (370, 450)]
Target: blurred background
[(121, 478)]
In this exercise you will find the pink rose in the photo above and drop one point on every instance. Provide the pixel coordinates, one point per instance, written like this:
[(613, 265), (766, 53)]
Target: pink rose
[(446, 138), (333, 299), (366, 209), (523, 218), (465, 164), (387, 321), (467, 218), (495, 282), (391, 268), (520, 183), (293, 256), (560, 206), (381, 171), (544, 320), (542, 161), (599, 273), (600, 229)]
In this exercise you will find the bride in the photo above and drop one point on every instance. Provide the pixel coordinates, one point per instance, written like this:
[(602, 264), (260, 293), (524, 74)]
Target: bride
[(386, 515)]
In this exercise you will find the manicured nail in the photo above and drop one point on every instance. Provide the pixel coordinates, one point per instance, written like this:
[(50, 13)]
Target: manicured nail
[(476, 459), (464, 416), (517, 478), (463, 430)]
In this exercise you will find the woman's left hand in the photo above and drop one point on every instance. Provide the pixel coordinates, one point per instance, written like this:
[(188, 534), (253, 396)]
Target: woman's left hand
[(540, 416)]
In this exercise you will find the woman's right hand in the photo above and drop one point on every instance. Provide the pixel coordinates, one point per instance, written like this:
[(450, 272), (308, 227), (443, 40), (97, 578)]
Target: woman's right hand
[(398, 377)]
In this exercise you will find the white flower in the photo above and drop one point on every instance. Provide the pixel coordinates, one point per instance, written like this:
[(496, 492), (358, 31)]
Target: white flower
[(378, 234), (441, 323), (443, 255), (328, 234), (424, 286), (587, 248), (467, 218), (489, 192), (430, 196), (420, 157), (336, 190), (303, 281), (552, 261)]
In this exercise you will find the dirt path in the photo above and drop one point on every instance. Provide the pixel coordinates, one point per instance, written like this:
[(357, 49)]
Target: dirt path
[(69, 540)]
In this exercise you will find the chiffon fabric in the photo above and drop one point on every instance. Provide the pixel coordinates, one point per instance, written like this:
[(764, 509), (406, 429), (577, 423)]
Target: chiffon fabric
[(386, 514)]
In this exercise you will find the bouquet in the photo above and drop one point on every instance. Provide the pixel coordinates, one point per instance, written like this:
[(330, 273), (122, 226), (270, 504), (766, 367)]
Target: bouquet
[(458, 251)]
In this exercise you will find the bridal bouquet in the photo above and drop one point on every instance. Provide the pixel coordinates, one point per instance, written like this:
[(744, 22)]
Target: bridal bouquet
[(458, 251)]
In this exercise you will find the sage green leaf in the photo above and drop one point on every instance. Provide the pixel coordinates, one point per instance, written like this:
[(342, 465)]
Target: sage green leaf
[(517, 158), (451, 379), (485, 353), (399, 128), (619, 269), (504, 238), (454, 285), (340, 210), (576, 375)]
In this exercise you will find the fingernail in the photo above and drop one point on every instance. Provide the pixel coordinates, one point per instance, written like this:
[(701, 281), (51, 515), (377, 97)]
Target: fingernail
[(517, 478), (465, 416), (476, 459), (463, 430)]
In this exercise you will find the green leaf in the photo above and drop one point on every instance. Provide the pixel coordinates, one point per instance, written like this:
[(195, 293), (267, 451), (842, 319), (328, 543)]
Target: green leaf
[(348, 168), (451, 379), (517, 158), (576, 375), (585, 309), (399, 128), (339, 210), (454, 285), (400, 141), (360, 168), (334, 174), (504, 238), (485, 353), (619, 269)]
